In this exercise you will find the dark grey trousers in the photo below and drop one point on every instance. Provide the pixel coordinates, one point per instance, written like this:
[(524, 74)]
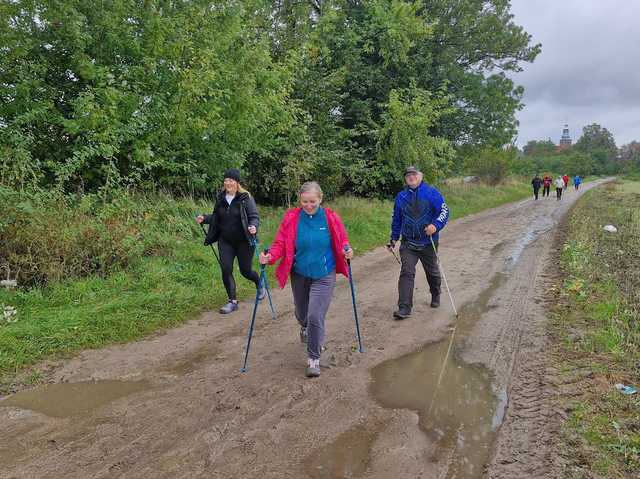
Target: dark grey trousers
[(312, 298), (410, 256)]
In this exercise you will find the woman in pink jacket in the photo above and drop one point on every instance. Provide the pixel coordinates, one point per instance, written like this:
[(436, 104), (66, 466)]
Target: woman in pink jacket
[(312, 246)]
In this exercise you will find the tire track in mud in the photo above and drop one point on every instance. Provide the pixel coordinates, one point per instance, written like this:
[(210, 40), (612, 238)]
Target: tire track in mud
[(525, 445)]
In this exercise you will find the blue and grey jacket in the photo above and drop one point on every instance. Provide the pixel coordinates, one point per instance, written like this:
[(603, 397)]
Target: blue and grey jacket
[(416, 209)]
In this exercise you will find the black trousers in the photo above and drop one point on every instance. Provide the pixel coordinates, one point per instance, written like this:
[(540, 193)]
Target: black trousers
[(558, 193), (545, 190), (535, 192), (410, 256), (230, 251)]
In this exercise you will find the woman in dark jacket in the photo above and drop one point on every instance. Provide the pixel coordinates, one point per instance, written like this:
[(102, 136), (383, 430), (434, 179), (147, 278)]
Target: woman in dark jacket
[(536, 183), (232, 224)]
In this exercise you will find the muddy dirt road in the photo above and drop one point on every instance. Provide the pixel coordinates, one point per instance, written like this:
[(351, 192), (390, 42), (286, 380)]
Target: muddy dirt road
[(177, 406)]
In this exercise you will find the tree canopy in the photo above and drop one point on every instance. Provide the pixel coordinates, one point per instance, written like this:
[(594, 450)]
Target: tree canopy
[(595, 152), (169, 94)]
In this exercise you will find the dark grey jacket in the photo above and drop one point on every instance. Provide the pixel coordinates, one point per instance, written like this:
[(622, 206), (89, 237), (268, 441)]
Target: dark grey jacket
[(248, 216)]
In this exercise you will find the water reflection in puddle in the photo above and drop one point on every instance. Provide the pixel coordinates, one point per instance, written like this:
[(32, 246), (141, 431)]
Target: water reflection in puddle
[(462, 416), (68, 399), (459, 417)]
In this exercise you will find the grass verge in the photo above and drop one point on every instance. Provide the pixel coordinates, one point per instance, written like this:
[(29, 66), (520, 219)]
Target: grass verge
[(172, 282), (469, 198), (597, 328)]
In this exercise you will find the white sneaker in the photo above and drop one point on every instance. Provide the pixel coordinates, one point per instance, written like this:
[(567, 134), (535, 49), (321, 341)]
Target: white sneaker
[(313, 368)]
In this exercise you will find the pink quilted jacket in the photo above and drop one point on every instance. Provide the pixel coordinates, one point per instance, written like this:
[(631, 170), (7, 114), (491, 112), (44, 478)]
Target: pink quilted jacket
[(284, 244)]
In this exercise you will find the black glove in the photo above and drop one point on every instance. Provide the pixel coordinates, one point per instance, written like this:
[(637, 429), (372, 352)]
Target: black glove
[(391, 244)]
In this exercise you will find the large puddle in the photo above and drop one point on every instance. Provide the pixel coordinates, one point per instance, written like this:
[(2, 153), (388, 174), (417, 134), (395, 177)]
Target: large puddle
[(460, 416), (69, 399)]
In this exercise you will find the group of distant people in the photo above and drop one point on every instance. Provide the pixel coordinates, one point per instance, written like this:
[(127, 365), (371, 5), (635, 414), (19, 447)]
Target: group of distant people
[(561, 183)]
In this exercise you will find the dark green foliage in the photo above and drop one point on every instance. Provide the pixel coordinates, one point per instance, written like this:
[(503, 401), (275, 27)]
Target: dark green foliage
[(595, 152), (571, 162), (630, 157), (492, 164), (598, 143), (539, 148), (128, 92), (125, 93), (402, 142)]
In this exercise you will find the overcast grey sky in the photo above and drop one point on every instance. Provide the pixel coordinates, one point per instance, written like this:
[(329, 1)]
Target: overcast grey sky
[(588, 71)]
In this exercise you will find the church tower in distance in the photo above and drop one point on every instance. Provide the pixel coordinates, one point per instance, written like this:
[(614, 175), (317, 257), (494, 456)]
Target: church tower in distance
[(565, 139)]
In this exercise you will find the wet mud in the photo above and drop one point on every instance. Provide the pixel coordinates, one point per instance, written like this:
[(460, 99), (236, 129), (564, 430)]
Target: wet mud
[(346, 457)]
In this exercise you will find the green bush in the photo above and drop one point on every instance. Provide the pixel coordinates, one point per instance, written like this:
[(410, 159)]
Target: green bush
[(52, 237), (491, 164)]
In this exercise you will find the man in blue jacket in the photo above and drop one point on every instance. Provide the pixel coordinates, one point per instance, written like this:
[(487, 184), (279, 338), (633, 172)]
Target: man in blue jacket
[(419, 214), (576, 181)]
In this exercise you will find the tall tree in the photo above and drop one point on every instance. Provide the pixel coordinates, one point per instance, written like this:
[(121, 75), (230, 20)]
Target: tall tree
[(475, 43), (630, 156), (170, 93), (136, 92), (599, 144)]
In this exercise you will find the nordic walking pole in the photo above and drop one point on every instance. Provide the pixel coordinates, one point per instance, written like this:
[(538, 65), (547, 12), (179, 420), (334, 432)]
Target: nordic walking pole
[(263, 275), (390, 248), (256, 245), (212, 248), (353, 300), (443, 275)]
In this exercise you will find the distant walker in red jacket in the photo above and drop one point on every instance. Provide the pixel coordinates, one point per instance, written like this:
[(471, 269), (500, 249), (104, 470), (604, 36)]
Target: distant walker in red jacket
[(313, 246), (546, 185)]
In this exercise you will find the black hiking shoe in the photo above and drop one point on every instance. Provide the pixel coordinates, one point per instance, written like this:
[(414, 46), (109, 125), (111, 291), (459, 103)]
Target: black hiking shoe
[(401, 313), (435, 301)]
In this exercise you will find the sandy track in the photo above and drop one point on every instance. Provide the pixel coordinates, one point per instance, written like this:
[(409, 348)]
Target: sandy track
[(198, 416)]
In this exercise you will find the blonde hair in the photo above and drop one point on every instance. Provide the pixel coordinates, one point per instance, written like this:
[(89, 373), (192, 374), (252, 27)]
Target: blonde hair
[(311, 186)]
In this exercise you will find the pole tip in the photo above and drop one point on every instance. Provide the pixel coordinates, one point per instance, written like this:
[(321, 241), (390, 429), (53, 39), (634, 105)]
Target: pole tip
[(243, 370)]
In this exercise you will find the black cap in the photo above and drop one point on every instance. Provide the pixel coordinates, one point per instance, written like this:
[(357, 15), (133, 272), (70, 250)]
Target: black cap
[(411, 170), (233, 174)]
